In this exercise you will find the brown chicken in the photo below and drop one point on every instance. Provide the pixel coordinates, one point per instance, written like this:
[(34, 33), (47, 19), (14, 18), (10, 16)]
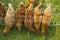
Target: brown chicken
[(46, 18), (31, 1), (37, 16), (29, 18), (20, 15), (2, 12), (9, 18)]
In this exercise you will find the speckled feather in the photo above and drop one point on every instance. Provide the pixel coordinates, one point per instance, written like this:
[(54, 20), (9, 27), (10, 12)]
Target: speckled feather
[(29, 18), (20, 15), (46, 18), (37, 16), (9, 18), (2, 12)]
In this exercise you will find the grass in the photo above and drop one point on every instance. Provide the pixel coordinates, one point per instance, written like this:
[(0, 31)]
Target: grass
[(52, 33)]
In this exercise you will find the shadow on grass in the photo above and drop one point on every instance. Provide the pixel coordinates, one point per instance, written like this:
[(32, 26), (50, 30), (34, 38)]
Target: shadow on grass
[(50, 32), (25, 34)]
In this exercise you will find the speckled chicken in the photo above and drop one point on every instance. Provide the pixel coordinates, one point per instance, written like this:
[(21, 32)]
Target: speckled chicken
[(29, 18), (46, 18), (2, 12), (9, 18), (20, 15), (37, 16)]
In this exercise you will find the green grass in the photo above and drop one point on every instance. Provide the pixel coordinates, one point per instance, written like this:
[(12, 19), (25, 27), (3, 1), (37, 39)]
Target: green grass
[(52, 33)]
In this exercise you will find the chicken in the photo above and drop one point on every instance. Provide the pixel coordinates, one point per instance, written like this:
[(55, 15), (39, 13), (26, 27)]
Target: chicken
[(2, 12), (9, 18), (37, 16), (20, 15), (29, 18), (46, 18), (31, 1)]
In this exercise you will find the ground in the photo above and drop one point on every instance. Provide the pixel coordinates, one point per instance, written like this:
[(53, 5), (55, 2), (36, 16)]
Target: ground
[(52, 33)]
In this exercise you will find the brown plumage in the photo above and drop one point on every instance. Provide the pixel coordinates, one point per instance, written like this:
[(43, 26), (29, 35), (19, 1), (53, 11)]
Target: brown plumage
[(46, 18), (2, 12), (31, 1), (20, 15), (29, 18), (37, 16), (9, 18)]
